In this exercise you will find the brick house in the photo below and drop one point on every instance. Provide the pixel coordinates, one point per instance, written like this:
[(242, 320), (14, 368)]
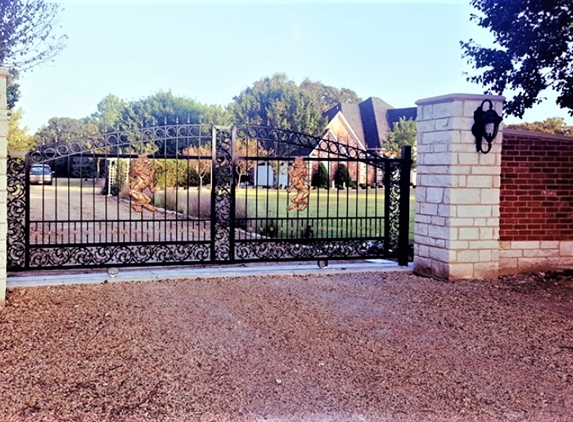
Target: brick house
[(365, 126)]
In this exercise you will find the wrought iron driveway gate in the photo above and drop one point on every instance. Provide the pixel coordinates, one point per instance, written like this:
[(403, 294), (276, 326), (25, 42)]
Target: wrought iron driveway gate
[(200, 194)]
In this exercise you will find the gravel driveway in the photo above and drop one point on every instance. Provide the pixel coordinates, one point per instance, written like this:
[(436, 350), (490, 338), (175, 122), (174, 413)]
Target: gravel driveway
[(345, 347)]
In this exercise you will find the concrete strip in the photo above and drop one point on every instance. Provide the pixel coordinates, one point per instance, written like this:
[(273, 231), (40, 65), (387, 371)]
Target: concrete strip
[(155, 274)]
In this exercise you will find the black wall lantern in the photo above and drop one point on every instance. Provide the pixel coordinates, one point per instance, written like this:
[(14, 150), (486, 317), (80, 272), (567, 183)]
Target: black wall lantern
[(486, 125)]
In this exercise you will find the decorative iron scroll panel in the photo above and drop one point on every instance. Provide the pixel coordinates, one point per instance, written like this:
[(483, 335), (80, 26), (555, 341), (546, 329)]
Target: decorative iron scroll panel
[(220, 197)]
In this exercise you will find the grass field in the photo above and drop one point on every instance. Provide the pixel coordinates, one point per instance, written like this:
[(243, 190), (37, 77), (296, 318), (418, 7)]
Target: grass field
[(330, 213)]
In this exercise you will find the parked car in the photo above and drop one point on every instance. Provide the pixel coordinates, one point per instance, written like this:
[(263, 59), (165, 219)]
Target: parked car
[(40, 174)]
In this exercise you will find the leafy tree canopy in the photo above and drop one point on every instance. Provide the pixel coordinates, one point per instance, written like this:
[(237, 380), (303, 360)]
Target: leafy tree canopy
[(535, 51), (65, 129), (108, 112), (279, 102), (329, 96), (552, 125), (28, 38), (158, 109), (18, 137), (403, 133), (165, 108), (12, 89)]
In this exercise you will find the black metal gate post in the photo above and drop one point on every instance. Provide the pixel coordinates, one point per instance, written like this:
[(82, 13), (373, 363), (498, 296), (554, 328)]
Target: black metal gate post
[(404, 230), (222, 194)]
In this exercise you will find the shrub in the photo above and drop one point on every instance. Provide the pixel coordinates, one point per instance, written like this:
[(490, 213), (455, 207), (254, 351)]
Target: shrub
[(320, 177), (196, 204), (84, 167), (342, 176), (172, 173)]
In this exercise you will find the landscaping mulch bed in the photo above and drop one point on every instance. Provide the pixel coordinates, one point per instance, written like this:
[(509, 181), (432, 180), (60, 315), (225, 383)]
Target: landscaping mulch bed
[(377, 346)]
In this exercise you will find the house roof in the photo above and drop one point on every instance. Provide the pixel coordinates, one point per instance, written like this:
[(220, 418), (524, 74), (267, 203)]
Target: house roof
[(372, 119)]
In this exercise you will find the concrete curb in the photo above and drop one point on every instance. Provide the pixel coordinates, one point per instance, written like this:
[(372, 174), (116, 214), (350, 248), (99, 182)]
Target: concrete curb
[(156, 274)]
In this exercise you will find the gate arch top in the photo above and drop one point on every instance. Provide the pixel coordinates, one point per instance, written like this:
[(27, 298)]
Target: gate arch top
[(126, 139)]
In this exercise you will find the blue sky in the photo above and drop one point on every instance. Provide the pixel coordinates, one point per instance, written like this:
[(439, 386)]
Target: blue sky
[(398, 51)]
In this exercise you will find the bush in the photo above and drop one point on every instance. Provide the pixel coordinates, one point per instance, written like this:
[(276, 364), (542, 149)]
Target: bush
[(196, 204), (172, 173), (320, 177), (342, 177), (84, 167)]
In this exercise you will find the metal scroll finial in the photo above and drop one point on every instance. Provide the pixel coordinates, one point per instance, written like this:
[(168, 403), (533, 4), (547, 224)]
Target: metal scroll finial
[(141, 174), (297, 178)]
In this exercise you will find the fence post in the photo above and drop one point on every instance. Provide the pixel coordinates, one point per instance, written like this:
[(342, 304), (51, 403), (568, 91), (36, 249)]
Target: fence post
[(456, 229), (4, 74), (404, 231)]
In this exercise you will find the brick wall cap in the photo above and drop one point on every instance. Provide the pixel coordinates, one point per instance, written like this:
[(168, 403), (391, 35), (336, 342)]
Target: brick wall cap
[(537, 135), (459, 97)]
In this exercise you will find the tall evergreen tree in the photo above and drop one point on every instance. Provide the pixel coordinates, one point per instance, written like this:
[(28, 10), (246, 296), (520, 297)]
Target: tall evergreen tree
[(320, 177), (342, 176)]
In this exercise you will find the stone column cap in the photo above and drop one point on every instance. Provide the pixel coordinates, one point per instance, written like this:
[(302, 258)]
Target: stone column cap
[(459, 97), (4, 72)]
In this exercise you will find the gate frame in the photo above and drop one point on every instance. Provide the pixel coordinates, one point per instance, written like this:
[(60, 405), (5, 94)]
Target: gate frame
[(224, 159)]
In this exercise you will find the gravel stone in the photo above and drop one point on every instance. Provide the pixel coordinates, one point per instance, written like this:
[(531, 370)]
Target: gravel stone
[(377, 346)]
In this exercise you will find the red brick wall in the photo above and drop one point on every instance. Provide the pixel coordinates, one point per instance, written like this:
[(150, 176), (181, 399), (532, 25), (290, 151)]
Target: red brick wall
[(536, 187)]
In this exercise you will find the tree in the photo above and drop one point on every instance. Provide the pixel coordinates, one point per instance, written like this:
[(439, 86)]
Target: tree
[(215, 114), (203, 163), (66, 129), (278, 102), (108, 113), (535, 51), (319, 178), (244, 149), (18, 137), (551, 125), (403, 133), (27, 33), (166, 108), (328, 96), (12, 89), (342, 176), (161, 108), (27, 38)]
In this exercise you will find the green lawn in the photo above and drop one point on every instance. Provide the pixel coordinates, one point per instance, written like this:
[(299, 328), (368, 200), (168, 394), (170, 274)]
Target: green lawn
[(330, 213)]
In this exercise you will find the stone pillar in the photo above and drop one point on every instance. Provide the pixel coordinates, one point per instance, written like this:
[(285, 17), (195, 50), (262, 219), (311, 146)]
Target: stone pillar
[(456, 229), (3, 183)]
